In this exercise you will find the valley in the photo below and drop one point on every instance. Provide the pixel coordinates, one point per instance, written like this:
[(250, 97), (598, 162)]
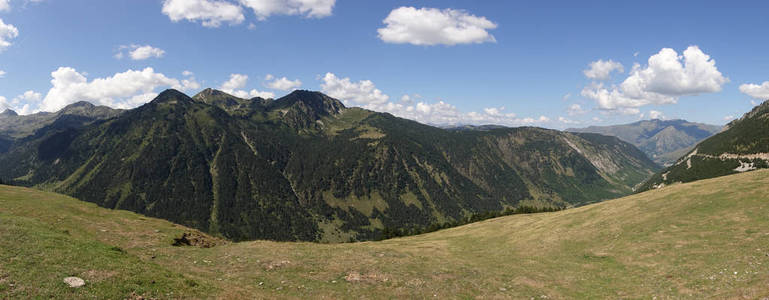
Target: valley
[(305, 167)]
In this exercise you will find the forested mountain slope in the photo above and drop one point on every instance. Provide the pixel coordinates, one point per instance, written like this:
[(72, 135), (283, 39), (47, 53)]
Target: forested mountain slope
[(305, 167)]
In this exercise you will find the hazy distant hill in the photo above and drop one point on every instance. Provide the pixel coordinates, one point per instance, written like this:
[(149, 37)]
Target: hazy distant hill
[(305, 167), (742, 146), (14, 126), (663, 141)]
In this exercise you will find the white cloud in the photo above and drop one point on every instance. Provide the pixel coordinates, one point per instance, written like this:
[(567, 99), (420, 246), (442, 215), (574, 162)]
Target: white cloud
[(576, 109), (261, 94), (729, 118), (432, 26), (7, 33), (566, 97), (655, 114), (210, 13), (365, 94), (236, 82), (308, 8), (755, 91), (189, 84), (283, 83), (4, 104), (22, 104), (2, 74), (145, 52), (567, 121), (5, 5), (120, 90), (602, 69), (139, 52), (667, 77)]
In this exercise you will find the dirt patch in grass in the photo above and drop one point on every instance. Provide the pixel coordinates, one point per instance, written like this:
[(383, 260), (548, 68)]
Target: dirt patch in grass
[(95, 276), (196, 239), (373, 277), (275, 264)]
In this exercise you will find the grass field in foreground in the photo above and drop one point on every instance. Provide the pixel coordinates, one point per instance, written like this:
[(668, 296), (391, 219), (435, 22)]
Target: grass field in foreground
[(704, 239)]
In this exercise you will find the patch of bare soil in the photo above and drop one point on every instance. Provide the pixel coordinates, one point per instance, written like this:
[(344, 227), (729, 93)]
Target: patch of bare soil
[(196, 239), (135, 296), (98, 275), (275, 264), (356, 277)]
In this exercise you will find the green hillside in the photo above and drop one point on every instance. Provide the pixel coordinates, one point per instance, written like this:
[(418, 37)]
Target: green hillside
[(305, 167), (706, 239), (742, 146)]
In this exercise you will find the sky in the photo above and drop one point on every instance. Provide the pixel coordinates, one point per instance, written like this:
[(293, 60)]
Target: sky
[(554, 64)]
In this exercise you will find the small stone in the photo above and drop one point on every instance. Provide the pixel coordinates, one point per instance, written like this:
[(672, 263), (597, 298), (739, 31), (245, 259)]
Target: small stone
[(74, 282), (502, 289)]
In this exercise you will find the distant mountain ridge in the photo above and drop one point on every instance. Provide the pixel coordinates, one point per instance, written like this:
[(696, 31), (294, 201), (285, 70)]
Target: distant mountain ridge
[(305, 167), (742, 146), (18, 126), (664, 141)]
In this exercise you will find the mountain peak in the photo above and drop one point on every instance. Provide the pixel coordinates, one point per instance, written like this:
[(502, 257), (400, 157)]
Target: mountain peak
[(319, 102), (169, 96), (79, 104), (760, 109), (209, 92), (8, 113)]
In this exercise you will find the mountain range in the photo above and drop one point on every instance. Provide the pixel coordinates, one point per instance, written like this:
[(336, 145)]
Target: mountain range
[(305, 167), (742, 146), (664, 141)]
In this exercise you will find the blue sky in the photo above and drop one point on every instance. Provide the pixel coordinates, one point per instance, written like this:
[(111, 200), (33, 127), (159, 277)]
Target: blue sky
[(506, 62)]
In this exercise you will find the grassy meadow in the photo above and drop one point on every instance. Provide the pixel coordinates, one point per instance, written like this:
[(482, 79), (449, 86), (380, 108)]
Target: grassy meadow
[(706, 239)]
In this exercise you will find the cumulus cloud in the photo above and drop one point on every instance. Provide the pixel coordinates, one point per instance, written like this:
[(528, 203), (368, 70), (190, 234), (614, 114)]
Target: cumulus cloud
[(236, 82), (4, 104), (575, 109), (5, 5), (361, 93), (22, 104), (602, 69), (210, 13), (121, 90), (189, 83), (755, 91), (261, 94), (139, 52), (365, 94), (283, 83), (7, 33), (729, 118), (667, 77), (566, 121), (432, 26), (145, 52), (2, 74), (655, 114), (308, 8)]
